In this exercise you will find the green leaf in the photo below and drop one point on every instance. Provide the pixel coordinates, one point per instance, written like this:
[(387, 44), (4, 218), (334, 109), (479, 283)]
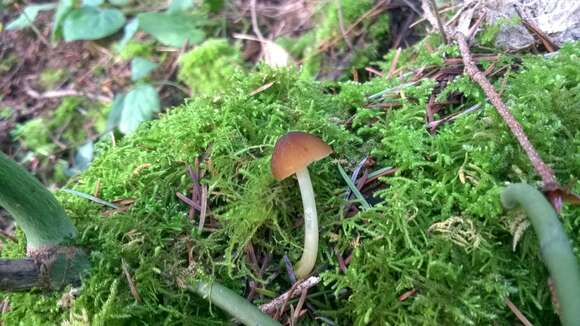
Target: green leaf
[(28, 15), (89, 23), (116, 110), (92, 3), (139, 105), (90, 197), (129, 31), (141, 68), (84, 156), (64, 7), (119, 3), (171, 29), (365, 205), (180, 5)]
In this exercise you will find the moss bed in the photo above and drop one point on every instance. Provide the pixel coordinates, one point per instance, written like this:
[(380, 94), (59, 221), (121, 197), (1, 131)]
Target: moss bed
[(436, 227)]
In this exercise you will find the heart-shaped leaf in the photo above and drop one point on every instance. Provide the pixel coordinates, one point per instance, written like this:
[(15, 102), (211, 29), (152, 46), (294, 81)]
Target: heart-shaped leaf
[(141, 68), (116, 110), (171, 29), (128, 32), (28, 16), (90, 23), (139, 105), (180, 5), (64, 7)]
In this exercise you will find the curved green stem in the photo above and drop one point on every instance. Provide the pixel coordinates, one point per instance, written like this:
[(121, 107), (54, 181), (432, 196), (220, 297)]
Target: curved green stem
[(554, 246), (306, 263), (33, 207), (234, 304)]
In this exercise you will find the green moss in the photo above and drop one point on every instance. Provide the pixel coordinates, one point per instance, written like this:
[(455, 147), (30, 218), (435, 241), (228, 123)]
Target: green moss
[(7, 63), (207, 69), (72, 123), (439, 227), (376, 32), (50, 78), (137, 49)]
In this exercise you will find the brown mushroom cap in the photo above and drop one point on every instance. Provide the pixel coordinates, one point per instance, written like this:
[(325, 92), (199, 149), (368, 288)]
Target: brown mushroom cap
[(295, 151)]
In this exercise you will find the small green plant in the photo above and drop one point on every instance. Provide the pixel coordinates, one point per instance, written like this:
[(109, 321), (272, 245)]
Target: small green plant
[(95, 19)]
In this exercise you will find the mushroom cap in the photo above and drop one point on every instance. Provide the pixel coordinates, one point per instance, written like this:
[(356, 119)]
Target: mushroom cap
[(295, 151)]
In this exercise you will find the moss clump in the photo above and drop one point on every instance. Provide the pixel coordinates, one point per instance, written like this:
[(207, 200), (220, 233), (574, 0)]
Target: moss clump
[(49, 78), (238, 132), (207, 69), (71, 123), (137, 49), (439, 227), (341, 58)]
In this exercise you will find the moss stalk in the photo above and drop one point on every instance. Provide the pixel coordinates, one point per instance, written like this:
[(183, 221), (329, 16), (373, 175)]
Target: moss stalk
[(554, 246)]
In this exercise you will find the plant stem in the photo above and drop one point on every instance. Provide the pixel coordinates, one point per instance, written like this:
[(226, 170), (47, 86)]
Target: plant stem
[(306, 263), (34, 208), (233, 304), (542, 168), (48, 270), (554, 246)]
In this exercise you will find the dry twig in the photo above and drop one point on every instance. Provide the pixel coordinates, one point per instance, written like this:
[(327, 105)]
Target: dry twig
[(271, 306), (132, 287), (543, 170), (517, 312)]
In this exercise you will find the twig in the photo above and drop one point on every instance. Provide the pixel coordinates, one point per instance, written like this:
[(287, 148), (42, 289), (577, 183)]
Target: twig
[(203, 210), (132, 287), (341, 24), (65, 92), (374, 71), (188, 201), (543, 170), (271, 306), (439, 24), (393, 66), (517, 312), (297, 312), (280, 311), (536, 31), (325, 45), (8, 235), (255, 26)]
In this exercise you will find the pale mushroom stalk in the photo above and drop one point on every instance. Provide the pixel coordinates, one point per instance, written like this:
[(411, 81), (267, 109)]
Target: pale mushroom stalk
[(306, 263), (292, 155)]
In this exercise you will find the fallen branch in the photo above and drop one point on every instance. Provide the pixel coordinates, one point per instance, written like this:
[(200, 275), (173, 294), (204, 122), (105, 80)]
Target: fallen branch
[(543, 170), (270, 307), (66, 92)]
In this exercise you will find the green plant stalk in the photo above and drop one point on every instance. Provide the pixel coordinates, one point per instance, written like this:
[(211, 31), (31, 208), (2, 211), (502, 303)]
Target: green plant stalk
[(33, 207), (554, 246), (308, 259), (232, 303)]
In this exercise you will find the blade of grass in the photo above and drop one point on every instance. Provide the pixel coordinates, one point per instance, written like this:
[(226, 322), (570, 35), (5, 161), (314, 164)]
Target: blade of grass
[(353, 188), (90, 197)]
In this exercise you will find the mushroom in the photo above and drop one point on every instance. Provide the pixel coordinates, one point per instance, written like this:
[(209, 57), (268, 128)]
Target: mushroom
[(292, 155)]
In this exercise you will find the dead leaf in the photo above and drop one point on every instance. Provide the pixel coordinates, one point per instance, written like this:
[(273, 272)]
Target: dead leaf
[(275, 55)]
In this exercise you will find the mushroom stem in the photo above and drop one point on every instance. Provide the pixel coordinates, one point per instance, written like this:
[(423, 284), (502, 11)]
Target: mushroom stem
[(306, 263)]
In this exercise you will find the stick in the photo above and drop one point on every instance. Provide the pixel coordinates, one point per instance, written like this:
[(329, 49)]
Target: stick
[(271, 306), (543, 170)]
